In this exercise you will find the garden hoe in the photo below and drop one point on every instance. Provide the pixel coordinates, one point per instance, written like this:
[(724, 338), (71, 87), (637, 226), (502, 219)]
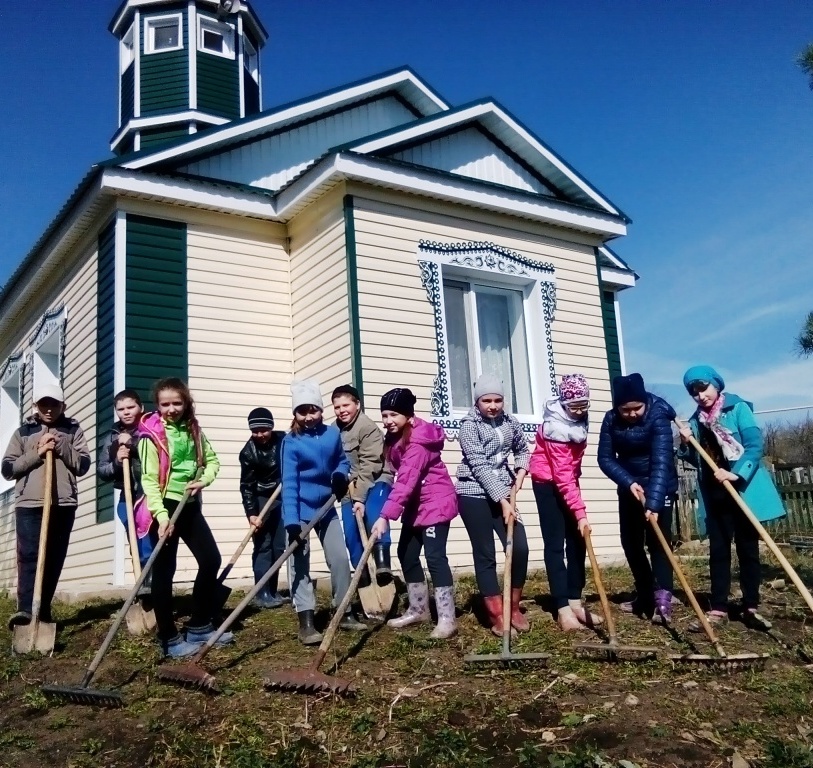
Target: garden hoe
[(82, 693), (223, 591), (506, 658), (191, 673), (764, 535), (375, 600), (612, 650), (309, 679), (38, 635), (140, 621), (731, 663)]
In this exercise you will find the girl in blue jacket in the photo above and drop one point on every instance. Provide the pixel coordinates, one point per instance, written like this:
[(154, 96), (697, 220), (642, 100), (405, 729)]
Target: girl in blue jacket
[(314, 467), (635, 450), (725, 427)]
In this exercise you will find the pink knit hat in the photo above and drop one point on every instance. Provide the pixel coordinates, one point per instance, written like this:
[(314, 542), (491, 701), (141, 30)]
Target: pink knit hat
[(574, 387)]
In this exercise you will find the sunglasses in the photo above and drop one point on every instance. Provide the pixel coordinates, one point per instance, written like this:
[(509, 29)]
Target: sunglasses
[(698, 386)]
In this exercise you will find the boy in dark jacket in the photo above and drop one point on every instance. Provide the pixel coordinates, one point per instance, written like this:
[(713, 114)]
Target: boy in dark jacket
[(260, 475), (24, 461), (119, 444), (635, 451)]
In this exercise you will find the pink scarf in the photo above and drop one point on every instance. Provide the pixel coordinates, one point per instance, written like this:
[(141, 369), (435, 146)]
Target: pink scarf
[(710, 419)]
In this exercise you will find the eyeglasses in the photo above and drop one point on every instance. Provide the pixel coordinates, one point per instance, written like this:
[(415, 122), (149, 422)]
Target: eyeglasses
[(578, 407), (698, 386)]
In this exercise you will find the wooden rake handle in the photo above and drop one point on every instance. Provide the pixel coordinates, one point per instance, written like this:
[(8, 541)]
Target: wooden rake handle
[(506, 576), (333, 627), (131, 530), (602, 592), (701, 616), (47, 500), (764, 535)]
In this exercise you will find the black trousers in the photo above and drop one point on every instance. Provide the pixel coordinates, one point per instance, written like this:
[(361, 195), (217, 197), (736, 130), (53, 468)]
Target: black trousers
[(194, 531), (565, 549), (725, 522), (432, 540), (269, 544), (637, 537), (483, 518), (29, 524)]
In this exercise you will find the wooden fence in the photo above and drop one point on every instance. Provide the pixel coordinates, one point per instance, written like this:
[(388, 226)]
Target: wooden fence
[(795, 486)]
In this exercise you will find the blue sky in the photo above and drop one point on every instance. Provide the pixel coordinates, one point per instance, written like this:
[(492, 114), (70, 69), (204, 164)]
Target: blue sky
[(691, 116)]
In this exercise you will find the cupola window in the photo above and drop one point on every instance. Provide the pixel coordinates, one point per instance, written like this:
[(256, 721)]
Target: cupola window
[(162, 33), (251, 59), (215, 37), (127, 50)]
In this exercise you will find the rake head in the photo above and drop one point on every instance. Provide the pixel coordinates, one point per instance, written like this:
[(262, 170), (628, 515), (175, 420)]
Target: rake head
[(614, 652), (189, 675), (733, 663), (507, 660), (308, 681), (88, 696)]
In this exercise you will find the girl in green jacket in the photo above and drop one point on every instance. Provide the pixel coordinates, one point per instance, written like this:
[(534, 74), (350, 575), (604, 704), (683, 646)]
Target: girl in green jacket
[(176, 457)]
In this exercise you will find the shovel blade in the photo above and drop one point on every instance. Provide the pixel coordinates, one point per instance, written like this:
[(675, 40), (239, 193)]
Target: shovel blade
[(139, 621), (36, 636)]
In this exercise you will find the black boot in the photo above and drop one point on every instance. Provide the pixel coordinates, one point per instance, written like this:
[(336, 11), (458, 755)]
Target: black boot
[(145, 590), (383, 570), (307, 631), (365, 580)]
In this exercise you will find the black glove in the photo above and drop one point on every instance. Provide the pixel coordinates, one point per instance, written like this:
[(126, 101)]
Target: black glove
[(294, 532), (339, 485)]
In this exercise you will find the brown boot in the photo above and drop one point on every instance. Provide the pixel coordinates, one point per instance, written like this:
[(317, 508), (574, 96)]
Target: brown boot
[(494, 610), (518, 620)]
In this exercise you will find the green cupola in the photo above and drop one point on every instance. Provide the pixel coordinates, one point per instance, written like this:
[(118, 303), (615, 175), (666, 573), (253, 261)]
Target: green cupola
[(184, 67)]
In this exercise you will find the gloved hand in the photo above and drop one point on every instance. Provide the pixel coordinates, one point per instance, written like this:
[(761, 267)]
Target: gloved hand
[(294, 530), (339, 484)]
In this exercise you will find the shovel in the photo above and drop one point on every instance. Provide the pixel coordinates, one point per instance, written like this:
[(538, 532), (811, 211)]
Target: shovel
[(83, 693), (37, 635), (375, 600), (223, 591), (139, 620)]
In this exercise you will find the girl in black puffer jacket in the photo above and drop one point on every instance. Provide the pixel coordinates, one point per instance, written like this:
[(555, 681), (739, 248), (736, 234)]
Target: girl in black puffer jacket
[(636, 451)]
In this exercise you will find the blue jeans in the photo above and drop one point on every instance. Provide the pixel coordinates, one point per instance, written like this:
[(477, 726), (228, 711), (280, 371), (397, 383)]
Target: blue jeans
[(269, 544), (145, 545), (372, 509)]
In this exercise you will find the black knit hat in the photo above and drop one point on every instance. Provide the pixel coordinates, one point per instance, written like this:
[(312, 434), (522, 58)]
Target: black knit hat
[(260, 418), (346, 389), (629, 389), (399, 400)]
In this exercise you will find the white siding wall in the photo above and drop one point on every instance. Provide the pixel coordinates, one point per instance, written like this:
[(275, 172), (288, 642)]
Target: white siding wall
[(91, 548), (399, 348)]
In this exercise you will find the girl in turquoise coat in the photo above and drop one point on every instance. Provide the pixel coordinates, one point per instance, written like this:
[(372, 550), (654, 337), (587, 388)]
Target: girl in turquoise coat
[(724, 425)]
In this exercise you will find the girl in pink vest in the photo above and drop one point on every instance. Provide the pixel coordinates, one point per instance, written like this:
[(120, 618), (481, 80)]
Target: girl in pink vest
[(172, 449), (556, 465), (424, 498)]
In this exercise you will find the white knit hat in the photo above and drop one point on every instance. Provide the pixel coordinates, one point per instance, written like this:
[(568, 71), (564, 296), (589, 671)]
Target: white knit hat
[(488, 384), (305, 392), (50, 391)]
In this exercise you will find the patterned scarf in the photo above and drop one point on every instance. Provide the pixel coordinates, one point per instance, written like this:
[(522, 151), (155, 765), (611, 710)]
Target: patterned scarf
[(710, 419)]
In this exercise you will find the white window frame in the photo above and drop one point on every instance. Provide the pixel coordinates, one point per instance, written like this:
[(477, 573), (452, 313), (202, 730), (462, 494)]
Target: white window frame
[(224, 29), (48, 349), (490, 265), (11, 406), (250, 53), (151, 22), (127, 51)]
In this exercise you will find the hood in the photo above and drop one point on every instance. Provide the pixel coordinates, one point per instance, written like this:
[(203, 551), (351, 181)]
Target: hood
[(657, 406), (430, 436), (558, 425)]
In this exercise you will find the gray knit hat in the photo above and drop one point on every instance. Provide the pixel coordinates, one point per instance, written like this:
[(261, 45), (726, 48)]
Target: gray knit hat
[(488, 384), (306, 392)]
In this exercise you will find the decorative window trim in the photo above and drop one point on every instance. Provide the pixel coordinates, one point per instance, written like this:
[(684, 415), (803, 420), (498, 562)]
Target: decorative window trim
[(491, 259), (14, 367), (150, 22), (52, 322), (222, 28)]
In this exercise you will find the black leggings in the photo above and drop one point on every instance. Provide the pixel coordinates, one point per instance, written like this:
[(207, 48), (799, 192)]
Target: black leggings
[(432, 540), (560, 534), (483, 518), (193, 529)]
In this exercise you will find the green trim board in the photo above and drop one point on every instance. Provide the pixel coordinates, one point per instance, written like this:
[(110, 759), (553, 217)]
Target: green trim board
[(218, 85), (353, 295), (156, 331), (611, 341), (105, 357), (164, 76)]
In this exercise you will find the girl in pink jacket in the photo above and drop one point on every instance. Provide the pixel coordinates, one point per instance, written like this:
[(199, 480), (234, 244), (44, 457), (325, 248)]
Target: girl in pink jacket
[(556, 465), (424, 498)]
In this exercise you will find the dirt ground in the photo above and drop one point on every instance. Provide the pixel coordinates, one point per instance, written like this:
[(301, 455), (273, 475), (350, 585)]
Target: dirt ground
[(417, 705)]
